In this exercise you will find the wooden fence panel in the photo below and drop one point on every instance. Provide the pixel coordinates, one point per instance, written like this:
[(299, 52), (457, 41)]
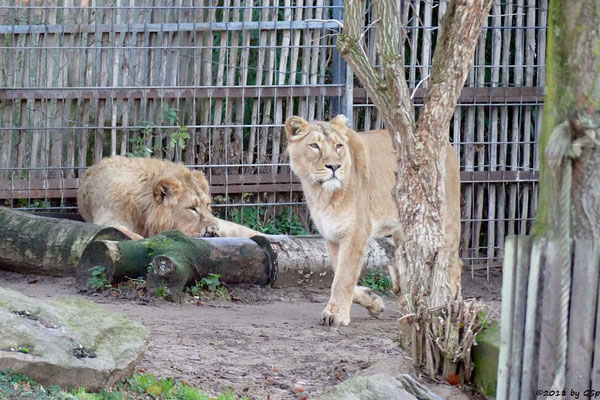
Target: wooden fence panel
[(528, 352), (125, 76)]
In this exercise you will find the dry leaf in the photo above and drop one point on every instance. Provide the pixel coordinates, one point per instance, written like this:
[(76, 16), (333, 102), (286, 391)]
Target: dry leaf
[(453, 379)]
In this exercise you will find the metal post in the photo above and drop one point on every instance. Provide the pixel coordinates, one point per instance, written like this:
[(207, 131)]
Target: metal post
[(349, 97), (338, 65)]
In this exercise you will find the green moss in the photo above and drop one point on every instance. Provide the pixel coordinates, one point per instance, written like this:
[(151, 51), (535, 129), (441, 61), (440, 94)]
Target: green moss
[(485, 360), (553, 115)]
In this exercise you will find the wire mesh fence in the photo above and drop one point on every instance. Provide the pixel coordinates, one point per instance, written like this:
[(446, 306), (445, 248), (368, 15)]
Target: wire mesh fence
[(210, 83)]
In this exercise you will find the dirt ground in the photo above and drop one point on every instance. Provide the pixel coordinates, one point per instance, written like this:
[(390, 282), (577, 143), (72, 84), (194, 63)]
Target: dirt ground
[(266, 343)]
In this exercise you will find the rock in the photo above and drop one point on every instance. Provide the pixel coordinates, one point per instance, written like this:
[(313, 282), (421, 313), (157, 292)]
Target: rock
[(485, 360), (397, 365), (70, 342), (374, 387)]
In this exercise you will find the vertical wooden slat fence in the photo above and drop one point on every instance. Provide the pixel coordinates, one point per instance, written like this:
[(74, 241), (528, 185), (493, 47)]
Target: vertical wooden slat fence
[(128, 76), (530, 328)]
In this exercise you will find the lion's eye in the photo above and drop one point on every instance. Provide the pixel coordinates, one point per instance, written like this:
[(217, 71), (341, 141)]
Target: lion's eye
[(194, 210), (314, 145), (338, 146)]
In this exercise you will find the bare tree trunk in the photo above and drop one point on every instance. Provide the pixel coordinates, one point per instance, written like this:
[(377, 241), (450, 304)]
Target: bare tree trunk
[(424, 260), (573, 95), (420, 192)]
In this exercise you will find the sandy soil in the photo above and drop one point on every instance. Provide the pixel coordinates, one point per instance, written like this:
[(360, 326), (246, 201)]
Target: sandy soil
[(266, 343)]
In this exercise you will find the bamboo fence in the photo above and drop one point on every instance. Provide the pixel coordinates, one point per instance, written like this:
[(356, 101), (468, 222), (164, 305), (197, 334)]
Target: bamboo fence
[(81, 80)]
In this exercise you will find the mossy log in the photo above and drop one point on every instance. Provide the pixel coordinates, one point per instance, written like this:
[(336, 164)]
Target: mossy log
[(48, 246), (172, 260)]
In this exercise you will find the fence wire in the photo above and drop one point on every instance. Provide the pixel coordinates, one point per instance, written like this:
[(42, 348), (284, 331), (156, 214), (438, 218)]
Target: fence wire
[(82, 80)]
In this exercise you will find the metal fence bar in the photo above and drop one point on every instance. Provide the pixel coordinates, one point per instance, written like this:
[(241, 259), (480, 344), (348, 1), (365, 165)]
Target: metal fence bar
[(82, 83)]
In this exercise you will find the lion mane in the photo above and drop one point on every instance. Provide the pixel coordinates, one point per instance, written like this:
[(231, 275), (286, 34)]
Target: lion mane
[(145, 196)]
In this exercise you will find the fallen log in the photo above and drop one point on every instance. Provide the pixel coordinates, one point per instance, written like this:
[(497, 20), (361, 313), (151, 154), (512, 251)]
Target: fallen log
[(172, 261), (48, 246)]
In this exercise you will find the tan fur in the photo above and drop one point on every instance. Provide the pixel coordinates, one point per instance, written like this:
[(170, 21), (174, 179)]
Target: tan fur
[(357, 202), (146, 196)]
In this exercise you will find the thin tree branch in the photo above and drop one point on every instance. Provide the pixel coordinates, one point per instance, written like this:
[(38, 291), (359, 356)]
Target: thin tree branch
[(388, 46), (460, 28), (351, 49)]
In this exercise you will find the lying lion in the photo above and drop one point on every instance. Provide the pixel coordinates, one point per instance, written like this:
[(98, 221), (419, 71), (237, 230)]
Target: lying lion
[(145, 196), (348, 179)]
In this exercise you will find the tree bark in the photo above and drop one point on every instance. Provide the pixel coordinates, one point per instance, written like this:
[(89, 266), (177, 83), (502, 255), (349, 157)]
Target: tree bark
[(572, 96), (423, 254), (569, 199), (420, 188), (420, 146), (46, 246)]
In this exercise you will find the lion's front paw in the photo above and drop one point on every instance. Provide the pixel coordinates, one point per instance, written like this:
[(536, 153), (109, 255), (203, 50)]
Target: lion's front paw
[(333, 316), (211, 231)]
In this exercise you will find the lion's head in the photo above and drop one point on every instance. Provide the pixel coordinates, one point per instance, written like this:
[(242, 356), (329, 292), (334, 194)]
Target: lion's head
[(146, 196), (320, 152), (181, 200)]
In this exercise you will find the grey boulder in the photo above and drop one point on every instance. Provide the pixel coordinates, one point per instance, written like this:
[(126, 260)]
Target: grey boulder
[(374, 387), (70, 342)]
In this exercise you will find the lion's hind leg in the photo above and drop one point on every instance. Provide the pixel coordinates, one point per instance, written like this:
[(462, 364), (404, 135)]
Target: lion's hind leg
[(368, 299)]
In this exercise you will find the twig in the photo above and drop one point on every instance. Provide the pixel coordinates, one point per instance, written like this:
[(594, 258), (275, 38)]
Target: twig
[(339, 23), (412, 96), (362, 35)]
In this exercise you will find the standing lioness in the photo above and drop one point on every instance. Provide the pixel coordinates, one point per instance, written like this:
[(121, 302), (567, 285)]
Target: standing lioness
[(348, 179)]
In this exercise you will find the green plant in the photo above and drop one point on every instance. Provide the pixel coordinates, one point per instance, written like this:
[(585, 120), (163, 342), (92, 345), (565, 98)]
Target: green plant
[(18, 386), (212, 284), (138, 143), (483, 317), (285, 222), (181, 134), (99, 279), (139, 148), (139, 382), (195, 290), (139, 386), (145, 134), (376, 279), (42, 204), (162, 291), (82, 394), (185, 392), (223, 293)]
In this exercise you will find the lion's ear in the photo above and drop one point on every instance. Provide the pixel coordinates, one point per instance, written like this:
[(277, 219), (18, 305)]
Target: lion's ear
[(339, 121), (201, 179), (167, 191), (293, 127)]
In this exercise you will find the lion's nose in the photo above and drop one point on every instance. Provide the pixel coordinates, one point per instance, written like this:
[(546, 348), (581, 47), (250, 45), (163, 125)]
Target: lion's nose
[(333, 167)]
